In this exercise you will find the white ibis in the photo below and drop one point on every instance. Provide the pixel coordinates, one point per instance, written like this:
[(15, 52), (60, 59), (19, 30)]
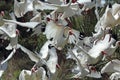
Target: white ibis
[(21, 8), (52, 62), (94, 54), (85, 70), (39, 74), (12, 32), (82, 70), (39, 61), (107, 20)]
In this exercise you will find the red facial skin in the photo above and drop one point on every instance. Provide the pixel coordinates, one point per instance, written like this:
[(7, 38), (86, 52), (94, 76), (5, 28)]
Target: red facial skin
[(93, 69), (48, 19), (70, 32), (73, 1), (17, 32), (33, 69), (2, 13), (58, 66), (103, 53)]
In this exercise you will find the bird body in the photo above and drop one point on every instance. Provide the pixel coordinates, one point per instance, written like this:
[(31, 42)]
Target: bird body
[(21, 8)]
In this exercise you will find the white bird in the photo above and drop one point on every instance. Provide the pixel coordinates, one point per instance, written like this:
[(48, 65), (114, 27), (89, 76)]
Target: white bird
[(85, 70), (94, 54), (12, 33), (89, 4), (54, 31), (10, 30), (112, 66), (3, 67), (52, 62), (60, 34), (39, 61), (107, 20), (21, 8), (82, 70), (39, 74)]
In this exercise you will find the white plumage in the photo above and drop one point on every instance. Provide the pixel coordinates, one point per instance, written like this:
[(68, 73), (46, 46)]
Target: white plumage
[(112, 66), (21, 8)]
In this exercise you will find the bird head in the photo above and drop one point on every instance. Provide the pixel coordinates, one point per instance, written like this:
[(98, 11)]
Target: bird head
[(2, 13)]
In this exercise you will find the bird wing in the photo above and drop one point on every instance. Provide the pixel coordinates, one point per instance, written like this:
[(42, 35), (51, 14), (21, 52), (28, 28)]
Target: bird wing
[(9, 57), (43, 6), (31, 55), (53, 60), (83, 71), (26, 24), (58, 2), (8, 29), (111, 66)]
